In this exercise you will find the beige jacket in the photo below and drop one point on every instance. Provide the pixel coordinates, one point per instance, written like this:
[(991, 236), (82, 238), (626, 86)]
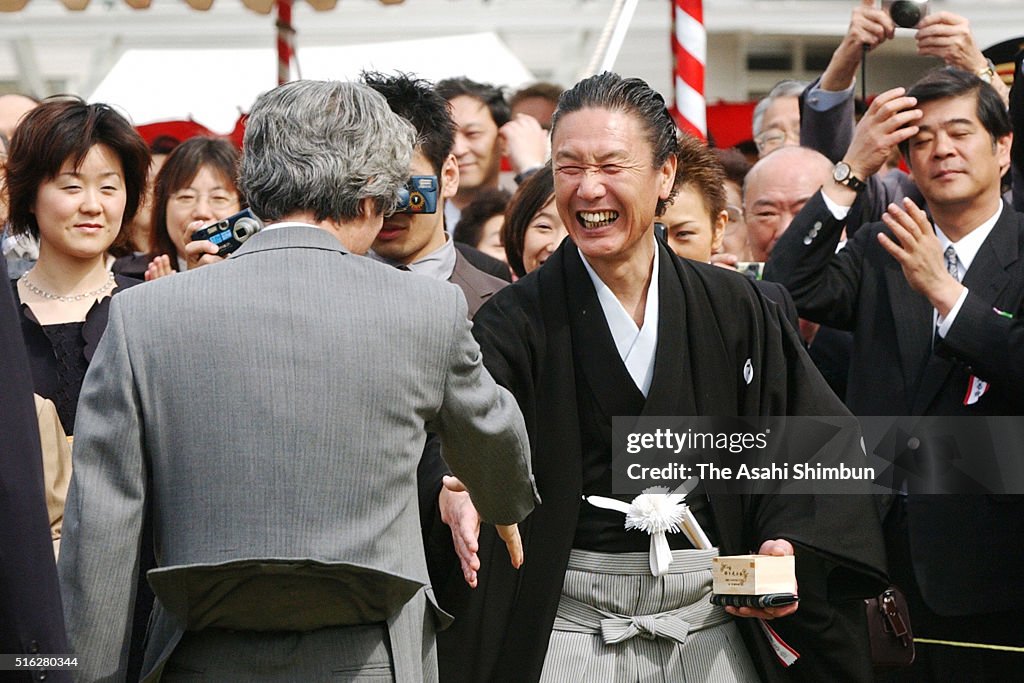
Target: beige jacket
[(56, 465)]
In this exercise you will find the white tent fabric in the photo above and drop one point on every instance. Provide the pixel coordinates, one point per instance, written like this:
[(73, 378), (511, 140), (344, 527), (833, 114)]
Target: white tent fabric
[(212, 86)]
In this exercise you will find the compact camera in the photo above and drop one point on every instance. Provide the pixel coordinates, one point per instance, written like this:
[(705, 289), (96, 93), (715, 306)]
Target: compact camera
[(228, 234), (906, 13), (419, 195)]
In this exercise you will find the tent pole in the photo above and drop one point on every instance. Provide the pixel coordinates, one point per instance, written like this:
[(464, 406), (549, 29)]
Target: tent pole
[(285, 41), (610, 41)]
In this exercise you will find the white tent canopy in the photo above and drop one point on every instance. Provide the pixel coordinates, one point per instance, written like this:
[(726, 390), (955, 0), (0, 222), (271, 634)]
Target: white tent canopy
[(212, 86)]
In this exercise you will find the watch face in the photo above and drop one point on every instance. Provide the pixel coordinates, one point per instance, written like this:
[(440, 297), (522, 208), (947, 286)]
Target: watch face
[(841, 172)]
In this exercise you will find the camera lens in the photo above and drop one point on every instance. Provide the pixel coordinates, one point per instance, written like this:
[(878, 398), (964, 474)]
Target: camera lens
[(905, 13), (242, 232)]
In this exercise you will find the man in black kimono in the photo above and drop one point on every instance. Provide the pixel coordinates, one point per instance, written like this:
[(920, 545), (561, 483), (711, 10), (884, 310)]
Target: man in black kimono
[(614, 324)]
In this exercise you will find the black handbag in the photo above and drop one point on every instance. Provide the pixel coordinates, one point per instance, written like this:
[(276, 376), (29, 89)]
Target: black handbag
[(892, 640)]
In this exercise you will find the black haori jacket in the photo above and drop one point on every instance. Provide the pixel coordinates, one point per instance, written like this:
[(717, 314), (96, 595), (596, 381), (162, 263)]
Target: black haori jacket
[(533, 336)]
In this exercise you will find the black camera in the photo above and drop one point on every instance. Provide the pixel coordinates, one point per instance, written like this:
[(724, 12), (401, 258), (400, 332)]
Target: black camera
[(228, 234), (419, 195), (906, 13)]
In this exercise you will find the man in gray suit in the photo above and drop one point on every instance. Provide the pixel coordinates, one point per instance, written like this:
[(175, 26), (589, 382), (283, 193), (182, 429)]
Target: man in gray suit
[(265, 419)]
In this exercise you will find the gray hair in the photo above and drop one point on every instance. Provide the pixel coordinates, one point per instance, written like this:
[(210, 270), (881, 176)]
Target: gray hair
[(787, 88), (323, 147)]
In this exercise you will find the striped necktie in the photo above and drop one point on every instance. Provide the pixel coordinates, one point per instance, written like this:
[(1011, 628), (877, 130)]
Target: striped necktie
[(951, 268), (951, 263)]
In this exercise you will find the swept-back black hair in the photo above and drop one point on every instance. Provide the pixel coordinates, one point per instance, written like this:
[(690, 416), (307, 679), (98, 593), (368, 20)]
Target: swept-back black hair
[(633, 96)]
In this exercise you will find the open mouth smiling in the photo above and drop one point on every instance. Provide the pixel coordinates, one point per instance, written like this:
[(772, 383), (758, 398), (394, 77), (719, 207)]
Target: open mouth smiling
[(596, 219)]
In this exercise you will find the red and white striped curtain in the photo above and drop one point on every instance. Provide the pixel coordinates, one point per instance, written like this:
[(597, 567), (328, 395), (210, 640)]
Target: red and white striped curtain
[(689, 53)]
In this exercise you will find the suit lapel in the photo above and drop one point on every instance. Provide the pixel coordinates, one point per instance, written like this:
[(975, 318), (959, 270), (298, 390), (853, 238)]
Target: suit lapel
[(987, 278), (475, 284), (915, 326)]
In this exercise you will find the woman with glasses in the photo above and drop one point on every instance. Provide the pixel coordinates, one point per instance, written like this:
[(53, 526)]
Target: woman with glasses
[(75, 175), (195, 184)]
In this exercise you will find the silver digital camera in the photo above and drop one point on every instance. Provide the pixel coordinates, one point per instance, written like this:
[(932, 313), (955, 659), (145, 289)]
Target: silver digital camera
[(906, 13)]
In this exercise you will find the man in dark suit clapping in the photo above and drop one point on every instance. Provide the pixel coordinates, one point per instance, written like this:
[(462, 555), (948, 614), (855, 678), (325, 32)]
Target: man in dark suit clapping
[(935, 302)]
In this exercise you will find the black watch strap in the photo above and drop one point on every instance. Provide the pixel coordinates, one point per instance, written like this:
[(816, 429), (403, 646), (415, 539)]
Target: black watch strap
[(843, 174)]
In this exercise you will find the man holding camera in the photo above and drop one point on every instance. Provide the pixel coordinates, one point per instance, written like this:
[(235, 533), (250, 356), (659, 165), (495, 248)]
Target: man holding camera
[(414, 238), (935, 303), (265, 420), (827, 112)]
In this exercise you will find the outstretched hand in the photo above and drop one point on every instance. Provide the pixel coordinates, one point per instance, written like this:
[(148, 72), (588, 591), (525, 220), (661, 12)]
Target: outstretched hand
[(526, 143), (461, 516), (948, 36)]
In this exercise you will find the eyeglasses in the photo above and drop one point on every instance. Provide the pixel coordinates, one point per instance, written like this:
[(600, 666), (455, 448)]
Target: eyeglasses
[(769, 140), (188, 199), (735, 213)]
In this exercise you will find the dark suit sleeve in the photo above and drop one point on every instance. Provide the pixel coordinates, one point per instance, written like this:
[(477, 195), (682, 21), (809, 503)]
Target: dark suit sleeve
[(829, 131), (824, 284), (31, 621), (482, 261)]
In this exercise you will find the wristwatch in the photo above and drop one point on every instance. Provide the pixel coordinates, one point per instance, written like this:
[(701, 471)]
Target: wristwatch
[(988, 73), (843, 174)]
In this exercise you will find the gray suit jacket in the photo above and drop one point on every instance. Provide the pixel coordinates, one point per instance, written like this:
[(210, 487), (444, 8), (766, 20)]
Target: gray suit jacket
[(267, 416)]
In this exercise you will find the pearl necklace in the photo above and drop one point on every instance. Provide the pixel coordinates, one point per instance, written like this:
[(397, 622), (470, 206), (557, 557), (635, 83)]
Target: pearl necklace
[(109, 284)]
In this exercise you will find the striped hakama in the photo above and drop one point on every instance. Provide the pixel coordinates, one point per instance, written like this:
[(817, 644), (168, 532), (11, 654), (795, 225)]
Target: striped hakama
[(617, 623)]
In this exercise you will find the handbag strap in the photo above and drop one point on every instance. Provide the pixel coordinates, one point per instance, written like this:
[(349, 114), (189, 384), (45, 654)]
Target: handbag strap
[(893, 620)]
